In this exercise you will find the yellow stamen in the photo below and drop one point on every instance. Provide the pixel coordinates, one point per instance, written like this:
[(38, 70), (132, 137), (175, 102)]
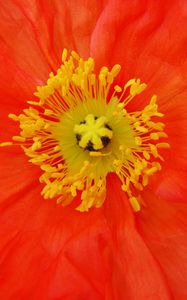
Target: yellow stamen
[(78, 132), (6, 144), (135, 204)]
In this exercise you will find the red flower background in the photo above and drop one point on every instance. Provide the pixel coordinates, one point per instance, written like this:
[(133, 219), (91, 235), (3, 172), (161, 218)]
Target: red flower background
[(50, 252)]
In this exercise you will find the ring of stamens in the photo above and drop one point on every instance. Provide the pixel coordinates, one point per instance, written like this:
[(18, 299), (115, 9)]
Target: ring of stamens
[(93, 133), (79, 132)]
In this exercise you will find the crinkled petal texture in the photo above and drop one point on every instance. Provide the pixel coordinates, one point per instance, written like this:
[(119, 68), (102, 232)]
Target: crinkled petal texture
[(52, 253), (148, 41)]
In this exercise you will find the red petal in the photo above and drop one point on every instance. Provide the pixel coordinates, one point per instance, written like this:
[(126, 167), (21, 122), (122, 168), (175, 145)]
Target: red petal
[(17, 175), (51, 252), (163, 226), (34, 34), (135, 272), (144, 36)]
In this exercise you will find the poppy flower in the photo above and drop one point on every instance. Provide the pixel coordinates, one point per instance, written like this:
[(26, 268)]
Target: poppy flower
[(128, 241)]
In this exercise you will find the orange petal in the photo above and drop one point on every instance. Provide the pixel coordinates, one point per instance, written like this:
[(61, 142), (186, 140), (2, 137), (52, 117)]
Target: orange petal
[(163, 227), (135, 272), (17, 175), (51, 251), (144, 37)]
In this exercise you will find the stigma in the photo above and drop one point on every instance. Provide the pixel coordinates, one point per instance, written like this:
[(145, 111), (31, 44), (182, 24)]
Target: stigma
[(79, 130), (93, 133)]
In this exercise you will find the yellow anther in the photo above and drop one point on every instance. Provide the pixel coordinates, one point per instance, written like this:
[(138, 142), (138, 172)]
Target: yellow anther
[(117, 88), (158, 114), (129, 83), (73, 190), (137, 87), (139, 186), (154, 136), (75, 55), (13, 117), (115, 70), (154, 150), (36, 146), (135, 204), (104, 70), (110, 78), (102, 79), (124, 188), (33, 103), (6, 144), (151, 171), (163, 145), (146, 155), (141, 129), (157, 126), (153, 100), (18, 138), (145, 180), (162, 134), (157, 165), (64, 55)]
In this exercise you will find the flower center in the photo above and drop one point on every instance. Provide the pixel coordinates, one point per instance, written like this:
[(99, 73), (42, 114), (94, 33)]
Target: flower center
[(79, 131), (93, 133)]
